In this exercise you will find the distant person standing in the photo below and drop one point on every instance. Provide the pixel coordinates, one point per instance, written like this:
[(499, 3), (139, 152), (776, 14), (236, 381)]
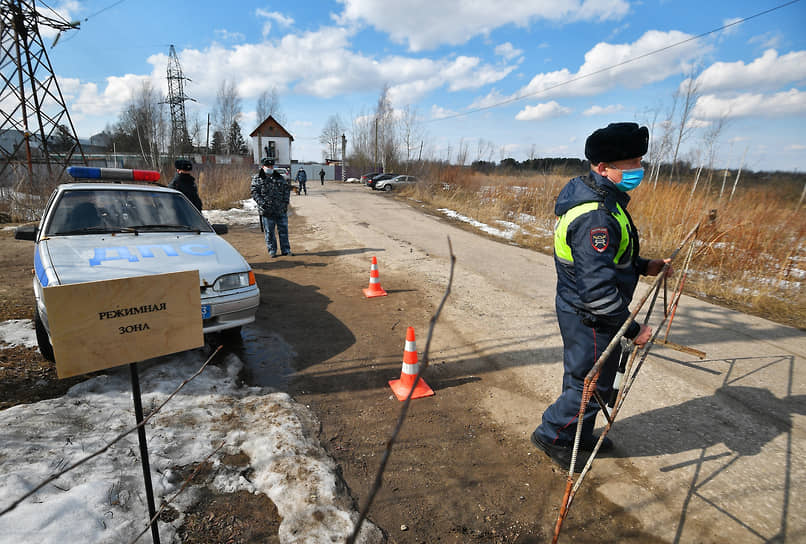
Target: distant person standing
[(185, 183), (302, 179), (322, 176), (272, 193)]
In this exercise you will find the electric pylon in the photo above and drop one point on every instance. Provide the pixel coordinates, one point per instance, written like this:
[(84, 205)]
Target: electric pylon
[(180, 139), (37, 136)]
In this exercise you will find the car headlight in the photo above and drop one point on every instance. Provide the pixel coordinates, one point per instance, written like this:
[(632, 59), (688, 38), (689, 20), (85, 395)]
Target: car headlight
[(234, 281)]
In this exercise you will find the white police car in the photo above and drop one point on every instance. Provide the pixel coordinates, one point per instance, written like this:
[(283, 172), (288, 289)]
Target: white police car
[(95, 231)]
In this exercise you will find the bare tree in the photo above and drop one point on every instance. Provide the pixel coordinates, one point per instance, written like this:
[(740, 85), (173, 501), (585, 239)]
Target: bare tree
[(461, 153), (195, 129), (411, 133), (688, 93), (361, 142), (386, 141), (227, 112), (484, 150), (710, 147), (268, 103), (331, 137), (142, 125)]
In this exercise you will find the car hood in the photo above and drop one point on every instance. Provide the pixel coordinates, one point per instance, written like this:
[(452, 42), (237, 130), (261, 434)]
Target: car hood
[(76, 259)]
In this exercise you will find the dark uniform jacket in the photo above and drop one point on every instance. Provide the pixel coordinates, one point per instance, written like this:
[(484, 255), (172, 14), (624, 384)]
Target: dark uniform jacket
[(272, 193), (593, 286), (186, 184)]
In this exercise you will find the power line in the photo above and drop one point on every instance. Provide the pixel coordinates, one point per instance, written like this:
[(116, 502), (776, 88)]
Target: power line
[(110, 6), (608, 68)]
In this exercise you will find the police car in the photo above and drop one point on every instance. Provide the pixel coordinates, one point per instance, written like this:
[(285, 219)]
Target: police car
[(103, 230)]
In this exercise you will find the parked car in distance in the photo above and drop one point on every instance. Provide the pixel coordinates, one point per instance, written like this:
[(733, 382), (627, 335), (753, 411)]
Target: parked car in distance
[(373, 183), (395, 183), (284, 171), (106, 230), (368, 176)]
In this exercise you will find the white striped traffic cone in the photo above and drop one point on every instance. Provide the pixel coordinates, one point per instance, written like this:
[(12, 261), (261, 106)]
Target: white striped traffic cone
[(411, 366), (374, 289)]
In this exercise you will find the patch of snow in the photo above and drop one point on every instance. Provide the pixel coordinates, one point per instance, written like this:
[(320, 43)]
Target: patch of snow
[(17, 332), (245, 215), (103, 500)]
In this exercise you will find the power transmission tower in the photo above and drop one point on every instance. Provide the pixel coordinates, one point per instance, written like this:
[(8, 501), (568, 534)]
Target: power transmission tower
[(180, 139), (37, 136)]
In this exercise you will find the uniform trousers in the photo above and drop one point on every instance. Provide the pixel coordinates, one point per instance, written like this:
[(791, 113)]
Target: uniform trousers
[(582, 346), (281, 223)]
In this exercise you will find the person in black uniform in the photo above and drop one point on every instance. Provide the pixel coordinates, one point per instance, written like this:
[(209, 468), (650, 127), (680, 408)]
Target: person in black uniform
[(185, 183), (322, 176), (596, 255)]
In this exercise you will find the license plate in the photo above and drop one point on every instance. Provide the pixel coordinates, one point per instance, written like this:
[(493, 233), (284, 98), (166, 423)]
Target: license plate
[(206, 311)]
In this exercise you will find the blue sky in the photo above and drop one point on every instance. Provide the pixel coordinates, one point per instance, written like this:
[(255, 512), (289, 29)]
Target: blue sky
[(449, 58)]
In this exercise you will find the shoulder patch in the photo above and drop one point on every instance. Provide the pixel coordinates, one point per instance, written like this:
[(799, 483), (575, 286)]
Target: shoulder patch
[(600, 239)]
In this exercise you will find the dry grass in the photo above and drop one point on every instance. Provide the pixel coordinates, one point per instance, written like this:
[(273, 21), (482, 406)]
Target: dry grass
[(223, 186), (751, 251)]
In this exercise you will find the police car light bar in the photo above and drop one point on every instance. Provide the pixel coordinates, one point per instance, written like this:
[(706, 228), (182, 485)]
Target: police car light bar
[(87, 172)]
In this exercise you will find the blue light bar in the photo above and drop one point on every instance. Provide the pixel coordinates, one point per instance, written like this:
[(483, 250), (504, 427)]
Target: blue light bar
[(84, 172)]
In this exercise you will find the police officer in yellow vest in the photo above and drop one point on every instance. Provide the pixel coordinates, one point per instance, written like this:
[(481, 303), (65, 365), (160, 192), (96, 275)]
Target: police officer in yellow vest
[(596, 254)]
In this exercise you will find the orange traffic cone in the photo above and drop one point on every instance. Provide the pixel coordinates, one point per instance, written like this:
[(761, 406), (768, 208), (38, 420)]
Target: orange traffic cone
[(374, 289), (411, 367)]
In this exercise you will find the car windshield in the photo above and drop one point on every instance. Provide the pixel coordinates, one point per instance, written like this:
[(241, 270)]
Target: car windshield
[(99, 211)]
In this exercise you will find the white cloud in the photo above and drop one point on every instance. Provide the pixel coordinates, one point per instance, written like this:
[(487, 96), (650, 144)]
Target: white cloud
[(425, 24), (769, 71), (507, 51), (492, 98), (227, 36), (792, 102), (603, 110), (734, 26), (438, 112), (603, 68), (87, 99), (275, 16), (768, 40), (542, 111), (795, 147)]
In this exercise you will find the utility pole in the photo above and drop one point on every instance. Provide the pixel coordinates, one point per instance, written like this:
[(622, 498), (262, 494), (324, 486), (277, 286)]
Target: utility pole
[(375, 158), (207, 145), (34, 108), (343, 158)]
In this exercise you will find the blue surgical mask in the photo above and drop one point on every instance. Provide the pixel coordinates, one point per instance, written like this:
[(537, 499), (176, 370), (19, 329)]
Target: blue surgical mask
[(630, 179)]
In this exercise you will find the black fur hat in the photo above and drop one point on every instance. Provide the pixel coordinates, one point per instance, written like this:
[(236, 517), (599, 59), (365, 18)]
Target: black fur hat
[(183, 164), (617, 141)]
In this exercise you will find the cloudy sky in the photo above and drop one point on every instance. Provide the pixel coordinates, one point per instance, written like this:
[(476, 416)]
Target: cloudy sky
[(527, 78)]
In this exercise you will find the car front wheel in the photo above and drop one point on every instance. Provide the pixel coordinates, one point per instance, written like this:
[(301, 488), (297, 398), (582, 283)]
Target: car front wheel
[(387, 188), (45, 347)]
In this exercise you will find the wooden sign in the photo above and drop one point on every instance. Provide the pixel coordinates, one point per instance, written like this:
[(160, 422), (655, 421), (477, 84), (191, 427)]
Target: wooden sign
[(101, 324)]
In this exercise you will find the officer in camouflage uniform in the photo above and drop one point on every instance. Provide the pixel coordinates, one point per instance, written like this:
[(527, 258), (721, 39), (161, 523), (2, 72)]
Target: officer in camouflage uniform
[(596, 255), (272, 193)]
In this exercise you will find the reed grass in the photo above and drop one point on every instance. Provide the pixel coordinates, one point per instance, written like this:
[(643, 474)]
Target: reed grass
[(224, 186)]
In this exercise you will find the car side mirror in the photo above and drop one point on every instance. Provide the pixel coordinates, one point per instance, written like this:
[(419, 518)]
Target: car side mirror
[(220, 228), (25, 232)]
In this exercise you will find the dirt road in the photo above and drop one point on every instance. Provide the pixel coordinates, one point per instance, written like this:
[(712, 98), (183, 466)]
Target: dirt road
[(705, 449)]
